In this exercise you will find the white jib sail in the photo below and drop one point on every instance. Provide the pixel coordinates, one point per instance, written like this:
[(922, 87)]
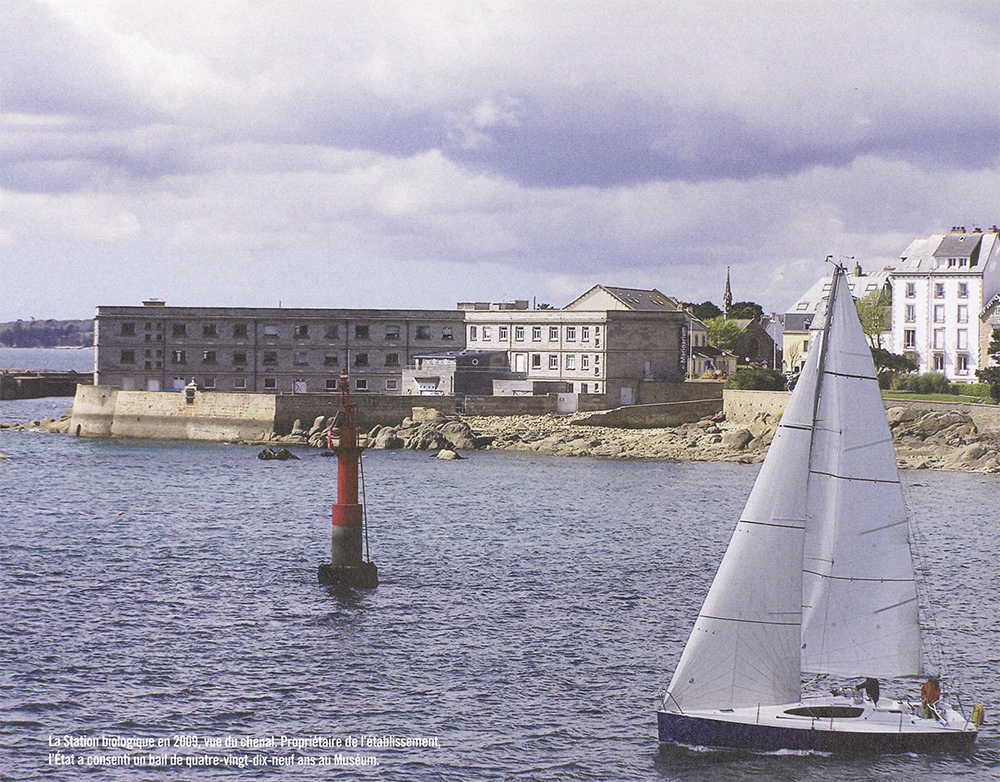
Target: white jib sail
[(744, 649), (859, 613)]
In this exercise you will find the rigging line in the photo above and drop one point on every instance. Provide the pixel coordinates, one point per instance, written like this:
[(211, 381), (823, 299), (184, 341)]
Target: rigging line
[(364, 507), (855, 578), (847, 374), (918, 545)]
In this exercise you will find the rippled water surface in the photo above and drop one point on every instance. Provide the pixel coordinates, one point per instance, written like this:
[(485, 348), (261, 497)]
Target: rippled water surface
[(530, 609)]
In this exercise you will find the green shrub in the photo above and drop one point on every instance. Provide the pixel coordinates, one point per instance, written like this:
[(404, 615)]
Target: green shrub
[(977, 390), (927, 383), (752, 379)]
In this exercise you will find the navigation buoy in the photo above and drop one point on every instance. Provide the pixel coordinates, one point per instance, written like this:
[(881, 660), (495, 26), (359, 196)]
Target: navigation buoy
[(348, 567)]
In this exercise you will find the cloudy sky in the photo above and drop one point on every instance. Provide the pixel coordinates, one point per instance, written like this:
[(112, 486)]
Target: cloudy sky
[(416, 153)]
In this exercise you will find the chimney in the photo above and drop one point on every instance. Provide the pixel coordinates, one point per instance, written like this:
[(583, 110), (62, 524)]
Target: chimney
[(857, 269)]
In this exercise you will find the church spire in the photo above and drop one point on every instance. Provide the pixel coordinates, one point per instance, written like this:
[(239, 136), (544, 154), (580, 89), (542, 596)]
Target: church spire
[(727, 297)]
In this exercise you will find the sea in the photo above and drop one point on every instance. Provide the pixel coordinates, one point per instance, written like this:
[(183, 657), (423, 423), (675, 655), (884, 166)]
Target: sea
[(58, 359), (159, 609)]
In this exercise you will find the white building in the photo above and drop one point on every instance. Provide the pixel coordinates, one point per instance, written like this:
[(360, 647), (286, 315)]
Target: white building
[(807, 311), (942, 289)]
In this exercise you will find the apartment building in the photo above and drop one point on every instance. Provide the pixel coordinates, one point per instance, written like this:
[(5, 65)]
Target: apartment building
[(943, 286), (155, 347), (607, 341)]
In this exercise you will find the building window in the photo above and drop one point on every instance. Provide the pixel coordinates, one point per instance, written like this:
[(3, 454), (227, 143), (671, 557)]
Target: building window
[(585, 335), (962, 339), (128, 357), (209, 330), (392, 359), (536, 333), (585, 362), (963, 290), (519, 333), (939, 290), (939, 362), (487, 333), (209, 382), (301, 331), (939, 339), (911, 313), (128, 330), (208, 357), (391, 384), (331, 360), (240, 331), (571, 361), (392, 332), (939, 313), (909, 338), (270, 331), (361, 332), (553, 361), (536, 360), (963, 313), (240, 384), (360, 359), (179, 330), (269, 359), (240, 358), (424, 332), (333, 331), (952, 262), (300, 358), (361, 384), (331, 384), (553, 333), (962, 363), (447, 333), (583, 388), (472, 333), (270, 384), (180, 357), (503, 333), (571, 333)]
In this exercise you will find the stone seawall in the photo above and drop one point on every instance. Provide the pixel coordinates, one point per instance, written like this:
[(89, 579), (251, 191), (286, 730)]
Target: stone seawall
[(93, 411), (210, 416), (742, 406)]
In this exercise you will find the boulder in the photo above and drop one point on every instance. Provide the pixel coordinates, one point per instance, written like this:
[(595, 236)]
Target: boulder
[(737, 440), (317, 425), (280, 455), (427, 415), (447, 454), (388, 439)]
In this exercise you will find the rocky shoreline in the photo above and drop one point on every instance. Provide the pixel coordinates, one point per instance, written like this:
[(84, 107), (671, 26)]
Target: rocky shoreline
[(923, 439)]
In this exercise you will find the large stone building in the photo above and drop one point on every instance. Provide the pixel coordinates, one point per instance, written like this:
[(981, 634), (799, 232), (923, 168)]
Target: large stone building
[(155, 347), (608, 341), (943, 288)]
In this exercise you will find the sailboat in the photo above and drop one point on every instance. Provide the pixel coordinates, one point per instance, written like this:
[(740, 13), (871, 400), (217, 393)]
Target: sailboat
[(817, 580)]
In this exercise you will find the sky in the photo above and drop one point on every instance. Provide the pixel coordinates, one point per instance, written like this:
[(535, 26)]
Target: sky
[(417, 153)]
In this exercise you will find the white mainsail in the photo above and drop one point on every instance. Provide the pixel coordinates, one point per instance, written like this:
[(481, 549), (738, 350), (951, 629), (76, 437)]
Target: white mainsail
[(822, 539)]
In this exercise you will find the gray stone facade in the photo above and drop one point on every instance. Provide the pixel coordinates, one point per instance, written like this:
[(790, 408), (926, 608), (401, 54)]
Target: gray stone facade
[(243, 349)]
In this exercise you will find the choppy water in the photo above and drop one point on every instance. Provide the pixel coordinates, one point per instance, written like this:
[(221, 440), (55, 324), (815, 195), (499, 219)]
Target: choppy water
[(530, 609), (59, 359)]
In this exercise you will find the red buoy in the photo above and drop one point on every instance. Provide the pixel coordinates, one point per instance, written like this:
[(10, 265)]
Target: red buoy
[(347, 566)]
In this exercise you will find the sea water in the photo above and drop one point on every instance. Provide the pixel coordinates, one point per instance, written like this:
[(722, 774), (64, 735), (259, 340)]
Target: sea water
[(159, 608)]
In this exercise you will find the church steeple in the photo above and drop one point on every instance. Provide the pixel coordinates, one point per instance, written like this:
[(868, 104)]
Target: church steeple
[(727, 297)]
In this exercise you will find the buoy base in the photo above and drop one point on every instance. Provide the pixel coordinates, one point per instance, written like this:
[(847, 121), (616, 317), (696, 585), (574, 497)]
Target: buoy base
[(363, 575)]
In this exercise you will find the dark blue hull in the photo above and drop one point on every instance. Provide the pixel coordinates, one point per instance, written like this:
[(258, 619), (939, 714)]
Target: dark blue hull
[(705, 732)]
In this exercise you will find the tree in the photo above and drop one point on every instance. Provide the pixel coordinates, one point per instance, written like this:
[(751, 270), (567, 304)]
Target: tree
[(747, 309), (875, 314), (725, 335), (703, 311), (991, 375)]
